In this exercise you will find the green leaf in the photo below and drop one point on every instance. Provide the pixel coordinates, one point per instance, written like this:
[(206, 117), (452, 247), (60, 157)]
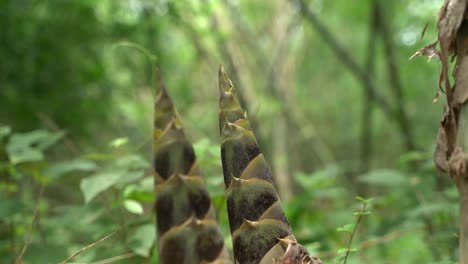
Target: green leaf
[(142, 191), (143, 239), (346, 228), (385, 178), (121, 171), (93, 185), (320, 179), (413, 156), (28, 147), (57, 170), (362, 213), (132, 162), (363, 200), (342, 250), (129, 176), (51, 139), (118, 142), (4, 131), (8, 207), (133, 207)]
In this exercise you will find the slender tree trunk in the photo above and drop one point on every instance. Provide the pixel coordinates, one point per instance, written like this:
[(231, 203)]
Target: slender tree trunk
[(395, 81), (451, 153), (462, 184), (461, 178), (367, 107)]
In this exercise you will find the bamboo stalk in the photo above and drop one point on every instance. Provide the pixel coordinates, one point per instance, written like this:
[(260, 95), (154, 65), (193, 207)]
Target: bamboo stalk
[(186, 219), (259, 228)]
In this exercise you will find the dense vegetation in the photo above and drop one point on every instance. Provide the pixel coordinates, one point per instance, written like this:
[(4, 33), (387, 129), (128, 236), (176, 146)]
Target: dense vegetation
[(338, 110)]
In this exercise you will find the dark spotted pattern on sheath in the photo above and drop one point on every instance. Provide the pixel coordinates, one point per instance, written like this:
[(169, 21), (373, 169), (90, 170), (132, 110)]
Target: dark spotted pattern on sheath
[(186, 220), (258, 223)]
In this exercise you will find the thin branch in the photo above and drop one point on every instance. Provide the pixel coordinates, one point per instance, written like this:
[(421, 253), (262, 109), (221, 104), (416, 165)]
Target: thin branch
[(90, 246), (31, 227), (345, 57), (116, 258)]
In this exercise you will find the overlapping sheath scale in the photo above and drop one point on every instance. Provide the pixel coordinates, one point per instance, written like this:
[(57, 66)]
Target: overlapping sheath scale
[(187, 229), (260, 231)]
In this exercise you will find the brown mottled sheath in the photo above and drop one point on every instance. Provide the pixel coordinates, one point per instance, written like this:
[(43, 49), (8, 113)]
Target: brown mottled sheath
[(186, 222), (259, 228)]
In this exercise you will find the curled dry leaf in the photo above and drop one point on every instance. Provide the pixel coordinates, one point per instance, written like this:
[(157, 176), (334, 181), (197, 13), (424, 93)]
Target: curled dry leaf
[(451, 42), (430, 51), (450, 17)]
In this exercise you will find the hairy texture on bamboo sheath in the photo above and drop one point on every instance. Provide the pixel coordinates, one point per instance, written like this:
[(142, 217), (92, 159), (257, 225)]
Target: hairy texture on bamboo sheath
[(186, 221), (260, 231)]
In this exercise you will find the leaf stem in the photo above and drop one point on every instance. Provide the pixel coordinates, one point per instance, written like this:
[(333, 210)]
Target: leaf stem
[(348, 247)]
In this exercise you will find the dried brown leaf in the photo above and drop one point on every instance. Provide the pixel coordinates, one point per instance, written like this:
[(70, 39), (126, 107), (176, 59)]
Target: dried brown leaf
[(450, 17), (430, 51)]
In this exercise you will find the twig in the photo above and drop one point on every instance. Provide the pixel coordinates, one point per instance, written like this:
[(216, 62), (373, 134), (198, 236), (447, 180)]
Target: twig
[(31, 227), (116, 258), (90, 246)]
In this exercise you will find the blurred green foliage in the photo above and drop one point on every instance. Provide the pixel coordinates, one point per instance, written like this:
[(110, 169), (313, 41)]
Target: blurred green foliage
[(76, 99)]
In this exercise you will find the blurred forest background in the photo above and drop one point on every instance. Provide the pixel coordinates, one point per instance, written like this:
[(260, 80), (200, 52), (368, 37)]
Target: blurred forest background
[(338, 109)]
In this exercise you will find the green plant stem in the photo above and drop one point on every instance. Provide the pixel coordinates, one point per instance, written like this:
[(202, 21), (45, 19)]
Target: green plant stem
[(348, 247)]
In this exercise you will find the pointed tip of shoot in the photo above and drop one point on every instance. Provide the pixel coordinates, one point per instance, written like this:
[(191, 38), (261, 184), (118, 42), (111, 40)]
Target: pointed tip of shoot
[(225, 84), (162, 96), (159, 82)]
